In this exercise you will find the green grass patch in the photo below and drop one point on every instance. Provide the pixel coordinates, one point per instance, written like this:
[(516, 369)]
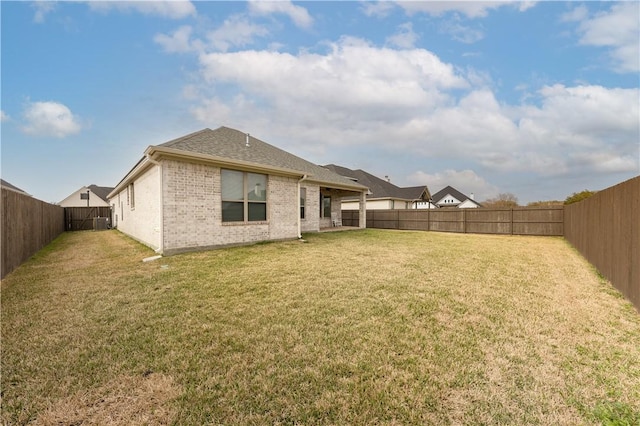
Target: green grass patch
[(362, 327)]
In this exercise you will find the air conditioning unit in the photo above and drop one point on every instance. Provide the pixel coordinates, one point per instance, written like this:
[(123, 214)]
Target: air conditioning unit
[(100, 223)]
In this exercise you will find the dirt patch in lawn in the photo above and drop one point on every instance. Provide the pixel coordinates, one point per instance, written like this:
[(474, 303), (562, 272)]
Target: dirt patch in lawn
[(145, 399)]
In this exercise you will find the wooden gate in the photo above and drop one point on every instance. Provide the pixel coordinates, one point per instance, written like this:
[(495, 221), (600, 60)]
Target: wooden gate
[(81, 218)]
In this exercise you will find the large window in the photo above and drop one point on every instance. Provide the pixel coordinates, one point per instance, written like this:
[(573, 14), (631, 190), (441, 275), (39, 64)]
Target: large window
[(244, 196), (303, 201)]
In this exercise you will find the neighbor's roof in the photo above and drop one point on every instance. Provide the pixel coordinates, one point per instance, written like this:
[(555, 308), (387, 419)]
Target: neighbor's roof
[(229, 147), (381, 188), (7, 185), (449, 190), (101, 191)]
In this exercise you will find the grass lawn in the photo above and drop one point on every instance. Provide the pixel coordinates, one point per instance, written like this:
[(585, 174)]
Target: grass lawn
[(363, 327)]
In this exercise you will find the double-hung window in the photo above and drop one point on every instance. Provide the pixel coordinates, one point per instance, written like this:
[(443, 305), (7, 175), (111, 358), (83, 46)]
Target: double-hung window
[(303, 200), (244, 196)]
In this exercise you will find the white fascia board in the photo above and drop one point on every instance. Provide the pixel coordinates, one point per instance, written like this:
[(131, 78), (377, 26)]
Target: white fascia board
[(141, 166)]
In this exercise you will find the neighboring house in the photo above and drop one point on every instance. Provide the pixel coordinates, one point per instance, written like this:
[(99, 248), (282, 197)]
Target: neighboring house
[(382, 195), (222, 187), (7, 185), (88, 196), (451, 197)]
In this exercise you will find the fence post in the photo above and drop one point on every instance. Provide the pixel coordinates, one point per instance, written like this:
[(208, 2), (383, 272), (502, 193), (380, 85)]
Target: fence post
[(511, 220), (464, 220)]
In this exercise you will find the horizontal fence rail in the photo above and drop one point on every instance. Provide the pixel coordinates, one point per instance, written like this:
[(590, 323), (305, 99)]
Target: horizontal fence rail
[(28, 225), (546, 220)]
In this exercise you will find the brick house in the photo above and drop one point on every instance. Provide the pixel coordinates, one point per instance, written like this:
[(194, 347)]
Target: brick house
[(216, 188)]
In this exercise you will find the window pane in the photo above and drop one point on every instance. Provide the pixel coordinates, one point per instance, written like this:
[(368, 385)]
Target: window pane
[(303, 200), (232, 185), (232, 212), (257, 211), (256, 187), (326, 206)]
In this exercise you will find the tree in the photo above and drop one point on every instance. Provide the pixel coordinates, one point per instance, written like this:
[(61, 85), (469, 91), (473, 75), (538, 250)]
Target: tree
[(503, 200), (545, 203), (579, 196)]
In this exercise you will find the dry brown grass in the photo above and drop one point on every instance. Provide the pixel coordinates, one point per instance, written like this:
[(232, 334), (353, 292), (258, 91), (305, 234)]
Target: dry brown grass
[(365, 327), (126, 400)]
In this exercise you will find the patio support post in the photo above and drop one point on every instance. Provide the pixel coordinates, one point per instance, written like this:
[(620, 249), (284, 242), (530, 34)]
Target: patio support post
[(363, 210)]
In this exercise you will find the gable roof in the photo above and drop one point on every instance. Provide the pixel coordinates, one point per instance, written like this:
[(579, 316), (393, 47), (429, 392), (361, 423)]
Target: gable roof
[(232, 148), (7, 185), (380, 188), (101, 191), (449, 190)]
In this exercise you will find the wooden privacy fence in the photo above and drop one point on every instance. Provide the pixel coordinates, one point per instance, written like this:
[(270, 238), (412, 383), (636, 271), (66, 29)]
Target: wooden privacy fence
[(82, 218), (28, 225), (605, 228), (547, 220)]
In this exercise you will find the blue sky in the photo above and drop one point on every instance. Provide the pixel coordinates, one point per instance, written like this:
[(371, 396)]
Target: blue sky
[(540, 99)]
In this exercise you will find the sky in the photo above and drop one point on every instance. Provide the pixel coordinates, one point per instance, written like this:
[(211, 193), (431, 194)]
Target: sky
[(537, 99)]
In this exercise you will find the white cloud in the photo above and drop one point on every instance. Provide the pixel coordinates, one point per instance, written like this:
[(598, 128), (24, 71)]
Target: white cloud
[(576, 14), (50, 119), (405, 38), (460, 32), (172, 9), (298, 14), (471, 9), (379, 9), (606, 162), (42, 8), (3, 117), (617, 29), (236, 31), (179, 41), (586, 126), (465, 181), (353, 72), (360, 95)]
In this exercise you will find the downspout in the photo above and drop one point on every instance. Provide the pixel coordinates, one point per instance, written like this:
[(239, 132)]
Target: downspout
[(299, 219), (160, 249)]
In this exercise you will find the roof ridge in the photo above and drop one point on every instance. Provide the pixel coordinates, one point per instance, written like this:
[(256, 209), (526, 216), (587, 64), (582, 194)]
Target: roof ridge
[(187, 137)]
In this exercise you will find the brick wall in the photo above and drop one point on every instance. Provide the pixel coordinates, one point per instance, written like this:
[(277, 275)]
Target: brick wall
[(193, 217), (142, 220), (311, 222)]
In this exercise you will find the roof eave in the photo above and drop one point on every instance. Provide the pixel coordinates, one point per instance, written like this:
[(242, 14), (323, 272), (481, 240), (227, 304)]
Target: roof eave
[(157, 153), (336, 185), (140, 166)]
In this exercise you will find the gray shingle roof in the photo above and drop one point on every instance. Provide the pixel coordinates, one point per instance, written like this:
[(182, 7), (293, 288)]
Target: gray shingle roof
[(6, 184), (101, 191), (438, 196), (381, 188), (231, 144)]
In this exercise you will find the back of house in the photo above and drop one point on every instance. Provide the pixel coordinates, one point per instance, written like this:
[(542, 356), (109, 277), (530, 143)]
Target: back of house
[(216, 188)]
